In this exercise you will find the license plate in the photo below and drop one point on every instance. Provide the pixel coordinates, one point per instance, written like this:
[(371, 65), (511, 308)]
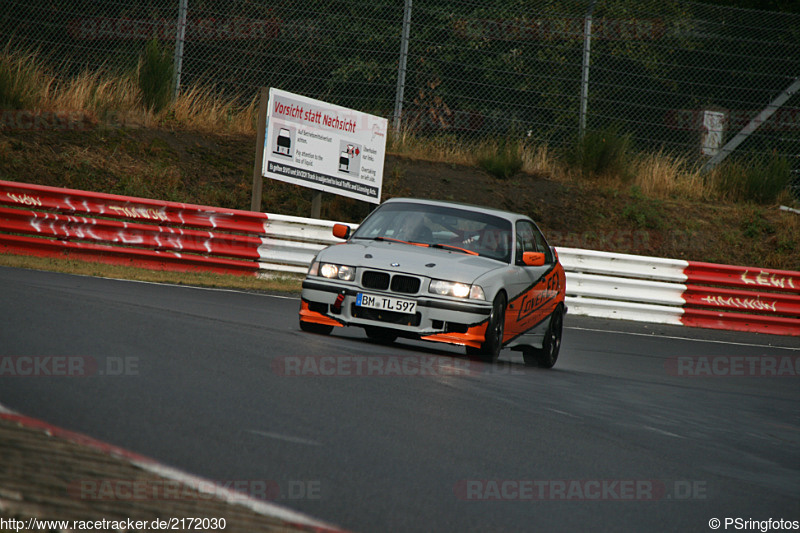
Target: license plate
[(386, 303)]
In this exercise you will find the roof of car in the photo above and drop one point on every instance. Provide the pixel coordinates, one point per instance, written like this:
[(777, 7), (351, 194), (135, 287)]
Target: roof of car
[(481, 209)]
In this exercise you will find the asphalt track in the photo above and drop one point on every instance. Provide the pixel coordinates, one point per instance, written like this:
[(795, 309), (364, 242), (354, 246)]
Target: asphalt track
[(617, 437)]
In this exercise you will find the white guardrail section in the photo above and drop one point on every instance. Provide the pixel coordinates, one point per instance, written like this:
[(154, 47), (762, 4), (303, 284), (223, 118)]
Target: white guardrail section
[(600, 284), (623, 286), (292, 242)]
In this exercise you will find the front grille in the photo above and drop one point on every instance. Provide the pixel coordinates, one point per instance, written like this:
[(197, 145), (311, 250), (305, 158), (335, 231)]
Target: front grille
[(375, 280), (372, 279), (390, 317), (405, 284)]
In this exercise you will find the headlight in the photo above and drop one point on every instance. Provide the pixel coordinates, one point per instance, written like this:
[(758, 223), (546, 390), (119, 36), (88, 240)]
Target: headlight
[(459, 290), (332, 271)]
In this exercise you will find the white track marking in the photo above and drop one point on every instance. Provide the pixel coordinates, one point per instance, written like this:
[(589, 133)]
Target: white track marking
[(564, 413), (286, 438), (234, 498), (667, 433)]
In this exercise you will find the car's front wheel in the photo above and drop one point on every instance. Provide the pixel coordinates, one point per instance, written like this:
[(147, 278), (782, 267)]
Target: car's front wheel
[(547, 355), (311, 327), (493, 341)]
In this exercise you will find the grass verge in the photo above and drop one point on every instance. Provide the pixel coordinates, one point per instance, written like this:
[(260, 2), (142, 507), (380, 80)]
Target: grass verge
[(194, 279)]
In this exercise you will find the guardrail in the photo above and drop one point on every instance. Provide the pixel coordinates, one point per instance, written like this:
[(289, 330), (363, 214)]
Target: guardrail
[(679, 292), (56, 222), (742, 298), (173, 236)]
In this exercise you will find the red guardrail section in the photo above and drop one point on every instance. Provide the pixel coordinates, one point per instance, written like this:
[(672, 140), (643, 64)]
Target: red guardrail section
[(163, 235), (742, 298)]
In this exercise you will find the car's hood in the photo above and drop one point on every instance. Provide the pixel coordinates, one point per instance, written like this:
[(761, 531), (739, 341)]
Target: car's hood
[(417, 260)]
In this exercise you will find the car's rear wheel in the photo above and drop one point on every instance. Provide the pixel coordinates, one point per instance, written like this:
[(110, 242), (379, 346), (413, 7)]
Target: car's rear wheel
[(311, 327), (381, 335), (493, 341), (547, 355)]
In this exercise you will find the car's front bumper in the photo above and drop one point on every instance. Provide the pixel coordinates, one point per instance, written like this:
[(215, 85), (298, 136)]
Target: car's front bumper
[(461, 322)]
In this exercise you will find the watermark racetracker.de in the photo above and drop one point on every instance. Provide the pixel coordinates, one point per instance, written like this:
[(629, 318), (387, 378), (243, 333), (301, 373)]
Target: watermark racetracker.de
[(617, 490), (36, 120), (71, 366), (375, 366), (726, 366), (129, 490)]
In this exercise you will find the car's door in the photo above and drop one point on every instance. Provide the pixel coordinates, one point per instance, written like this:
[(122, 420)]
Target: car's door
[(529, 303)]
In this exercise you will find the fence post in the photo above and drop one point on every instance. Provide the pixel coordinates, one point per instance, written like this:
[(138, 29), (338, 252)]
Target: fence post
[(401, 69), (261, 136), (180, 34), (587, 44)]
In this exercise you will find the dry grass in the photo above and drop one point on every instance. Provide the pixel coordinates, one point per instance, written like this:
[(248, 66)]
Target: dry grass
[(202, 109), (445, 149), (657, 174), (536, 159), (661, 175), (543, 159), (23, 83), (115, 98), (93, 91)]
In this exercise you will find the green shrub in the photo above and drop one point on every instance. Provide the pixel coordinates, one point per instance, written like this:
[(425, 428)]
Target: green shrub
[(758, 180), (602, 152), (503, 161), (155, 76)]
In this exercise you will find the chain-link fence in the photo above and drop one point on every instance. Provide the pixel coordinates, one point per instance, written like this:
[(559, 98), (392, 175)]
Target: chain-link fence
[(685, 76)]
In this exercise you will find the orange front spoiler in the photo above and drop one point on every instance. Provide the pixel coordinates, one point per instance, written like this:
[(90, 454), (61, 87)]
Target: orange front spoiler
[(306, 315), (474, 337)]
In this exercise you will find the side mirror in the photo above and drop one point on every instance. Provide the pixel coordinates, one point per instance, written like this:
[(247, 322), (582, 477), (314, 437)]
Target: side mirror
[(341, 231), (533, 259)]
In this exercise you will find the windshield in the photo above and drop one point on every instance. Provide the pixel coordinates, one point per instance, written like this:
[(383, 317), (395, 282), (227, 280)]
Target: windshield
[(450, 227)]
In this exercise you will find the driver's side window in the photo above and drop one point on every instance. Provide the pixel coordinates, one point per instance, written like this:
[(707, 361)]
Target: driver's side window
[(524, 240), (530, 239)]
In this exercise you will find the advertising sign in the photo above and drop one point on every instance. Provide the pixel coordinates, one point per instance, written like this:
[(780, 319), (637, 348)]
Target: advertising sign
[(324, 146)]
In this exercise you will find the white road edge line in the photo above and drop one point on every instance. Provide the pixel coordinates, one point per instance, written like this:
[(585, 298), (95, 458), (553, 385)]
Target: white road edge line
[(286, 438), (232, 497), (563, 413), (683, 338), (667, 433)]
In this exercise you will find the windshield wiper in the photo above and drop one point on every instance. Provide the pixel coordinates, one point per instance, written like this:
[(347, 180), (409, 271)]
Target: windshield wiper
[(453, 247), (389, 239)]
